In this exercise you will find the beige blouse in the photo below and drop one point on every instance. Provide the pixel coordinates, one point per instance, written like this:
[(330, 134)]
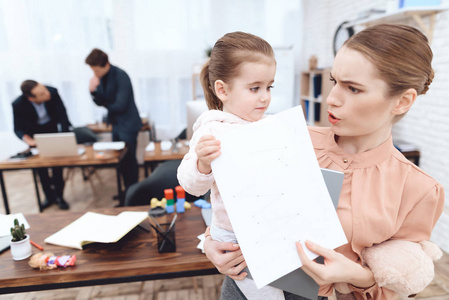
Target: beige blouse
[(384, 196)]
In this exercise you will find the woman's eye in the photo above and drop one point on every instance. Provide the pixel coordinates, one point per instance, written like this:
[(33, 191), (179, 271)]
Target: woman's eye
[(254, 89), (354, 90), (270, 88), (333, 80)]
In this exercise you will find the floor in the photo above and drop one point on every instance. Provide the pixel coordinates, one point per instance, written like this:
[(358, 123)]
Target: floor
[(98, 191)]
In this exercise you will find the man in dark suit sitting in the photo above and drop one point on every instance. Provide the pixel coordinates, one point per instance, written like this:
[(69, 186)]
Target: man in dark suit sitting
[(40, 110), (111, 87)]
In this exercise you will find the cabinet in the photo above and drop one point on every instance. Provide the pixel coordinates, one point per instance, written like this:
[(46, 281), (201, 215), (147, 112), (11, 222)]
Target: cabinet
[(315, 87)]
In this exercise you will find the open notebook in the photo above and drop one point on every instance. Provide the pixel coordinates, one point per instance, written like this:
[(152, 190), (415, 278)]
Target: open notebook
[(96, 228)]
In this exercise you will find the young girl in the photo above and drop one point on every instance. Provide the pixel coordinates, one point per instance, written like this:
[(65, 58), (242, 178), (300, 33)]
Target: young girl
[(237, 84), (377, 75)]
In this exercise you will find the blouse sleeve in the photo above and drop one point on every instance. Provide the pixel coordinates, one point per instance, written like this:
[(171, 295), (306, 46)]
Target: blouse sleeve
[(420, 221), (191, 180), (415, 228)]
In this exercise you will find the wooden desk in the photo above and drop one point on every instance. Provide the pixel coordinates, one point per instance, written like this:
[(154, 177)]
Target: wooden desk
[(110, 158), (103, 127), (134, 258), (152, 158)]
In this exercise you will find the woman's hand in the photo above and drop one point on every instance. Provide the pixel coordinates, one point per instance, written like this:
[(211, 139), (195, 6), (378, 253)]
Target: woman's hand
[(336, 267), (207, 149), (227, 258)]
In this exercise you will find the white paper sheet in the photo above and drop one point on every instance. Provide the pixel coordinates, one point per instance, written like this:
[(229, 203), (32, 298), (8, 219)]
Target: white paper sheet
[(11, 145), (102, 146), (274, 194), (165, 145), (201, 243), (150, 147)]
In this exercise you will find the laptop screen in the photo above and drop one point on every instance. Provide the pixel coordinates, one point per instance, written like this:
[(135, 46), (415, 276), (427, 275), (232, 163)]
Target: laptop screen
[(56, 144)]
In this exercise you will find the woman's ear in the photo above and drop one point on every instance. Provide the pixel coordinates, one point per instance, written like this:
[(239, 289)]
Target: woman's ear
[(221, 89), (405, 101)]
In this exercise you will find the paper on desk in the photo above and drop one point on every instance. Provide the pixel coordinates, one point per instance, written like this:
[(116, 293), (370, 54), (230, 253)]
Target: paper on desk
[(201, 243), (102, 146), (93, 227), (150, 147), (11, 145), (274, 194), (166, 145), (7, 221)]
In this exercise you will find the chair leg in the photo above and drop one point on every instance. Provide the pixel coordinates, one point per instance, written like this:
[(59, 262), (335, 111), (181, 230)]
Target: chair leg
[(68, 173), (87, 171), (83, 170), (141, 287), (195, 284)]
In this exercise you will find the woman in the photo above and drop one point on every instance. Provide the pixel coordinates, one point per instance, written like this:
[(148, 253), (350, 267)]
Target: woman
[(378, 74)]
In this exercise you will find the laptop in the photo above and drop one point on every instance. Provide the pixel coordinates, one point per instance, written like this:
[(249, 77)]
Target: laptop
[(57, 144), (297, 282)]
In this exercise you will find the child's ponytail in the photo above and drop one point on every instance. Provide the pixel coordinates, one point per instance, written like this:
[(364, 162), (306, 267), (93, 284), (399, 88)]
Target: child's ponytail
[(211, 99)]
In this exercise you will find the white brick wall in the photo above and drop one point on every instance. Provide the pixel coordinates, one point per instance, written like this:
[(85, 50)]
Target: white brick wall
[(427, 124)]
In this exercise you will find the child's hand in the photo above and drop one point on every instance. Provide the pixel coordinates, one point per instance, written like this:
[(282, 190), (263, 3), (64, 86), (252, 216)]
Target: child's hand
[(227, 258), (207, 149)]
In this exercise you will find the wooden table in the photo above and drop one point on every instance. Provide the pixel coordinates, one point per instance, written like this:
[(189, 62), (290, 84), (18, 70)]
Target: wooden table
[(152, 158), (134, 258), (104, 127), (109, 158)]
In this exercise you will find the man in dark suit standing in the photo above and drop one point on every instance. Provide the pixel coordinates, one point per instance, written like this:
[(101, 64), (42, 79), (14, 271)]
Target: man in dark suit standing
[(40, 110), (111, 87)]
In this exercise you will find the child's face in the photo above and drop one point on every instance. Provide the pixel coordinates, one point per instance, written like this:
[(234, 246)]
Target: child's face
[(358, 107), (249, 94)]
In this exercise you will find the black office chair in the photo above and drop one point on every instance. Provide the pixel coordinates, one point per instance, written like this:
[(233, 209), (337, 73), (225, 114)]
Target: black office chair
[(182, 135), (85, 135), (163, 177)]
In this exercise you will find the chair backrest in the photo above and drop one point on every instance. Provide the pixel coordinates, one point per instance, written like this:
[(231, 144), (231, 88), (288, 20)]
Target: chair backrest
[(85, 135), (194, 109)]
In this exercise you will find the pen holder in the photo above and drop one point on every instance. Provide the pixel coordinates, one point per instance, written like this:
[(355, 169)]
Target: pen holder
[(160, 216), (166, 239)]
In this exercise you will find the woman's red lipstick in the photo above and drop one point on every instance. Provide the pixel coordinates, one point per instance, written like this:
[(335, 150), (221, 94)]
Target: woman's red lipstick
[(332, 119)]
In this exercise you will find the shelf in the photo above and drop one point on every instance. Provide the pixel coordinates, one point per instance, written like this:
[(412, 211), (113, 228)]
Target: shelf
[(314, 100), (417, 13), (315, 108)]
